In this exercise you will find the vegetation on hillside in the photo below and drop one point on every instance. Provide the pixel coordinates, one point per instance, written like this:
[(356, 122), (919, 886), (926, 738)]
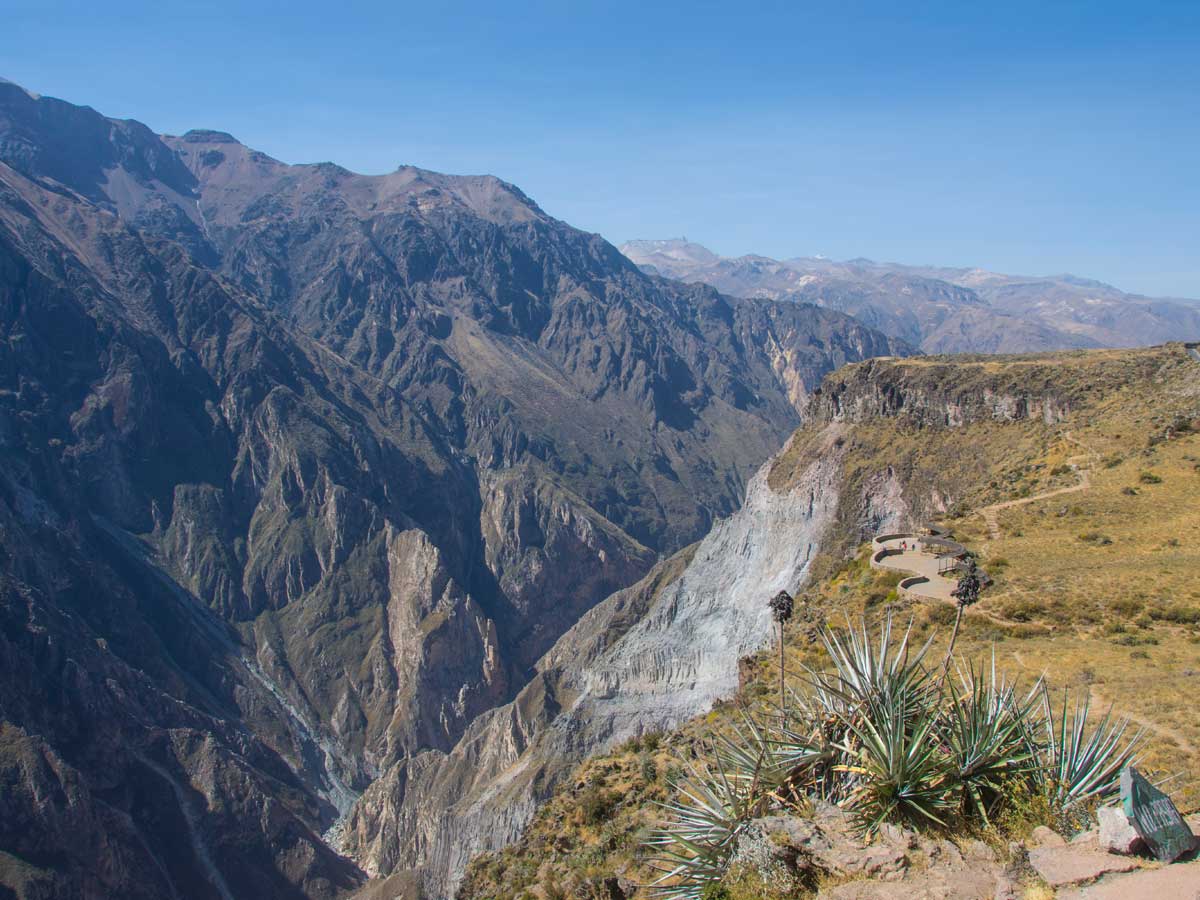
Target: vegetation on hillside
[(1094, 591), (881, 733)]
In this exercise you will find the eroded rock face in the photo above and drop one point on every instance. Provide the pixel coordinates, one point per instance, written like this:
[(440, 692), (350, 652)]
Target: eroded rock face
[(301, 472), (645, 659), (938, 395)]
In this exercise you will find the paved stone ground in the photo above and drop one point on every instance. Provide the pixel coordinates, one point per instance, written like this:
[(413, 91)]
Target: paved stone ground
[(914, 563), (1082, 871), (1180, 881)]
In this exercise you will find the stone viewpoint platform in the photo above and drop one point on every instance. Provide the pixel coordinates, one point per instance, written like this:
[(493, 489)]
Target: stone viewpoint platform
[(928, 556)]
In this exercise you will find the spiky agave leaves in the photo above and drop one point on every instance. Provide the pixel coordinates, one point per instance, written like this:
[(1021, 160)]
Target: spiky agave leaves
[(887, 706), (985, 730), (715, 801), (809, 743), (897, 758), (863, 669), (1081, 763), (818, 738)]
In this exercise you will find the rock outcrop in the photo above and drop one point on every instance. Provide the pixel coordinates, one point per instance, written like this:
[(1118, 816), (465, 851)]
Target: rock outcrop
[(645, 659)]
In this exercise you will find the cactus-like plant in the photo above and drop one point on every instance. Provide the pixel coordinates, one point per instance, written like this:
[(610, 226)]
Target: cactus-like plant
[(1082, 763), (884, 736)]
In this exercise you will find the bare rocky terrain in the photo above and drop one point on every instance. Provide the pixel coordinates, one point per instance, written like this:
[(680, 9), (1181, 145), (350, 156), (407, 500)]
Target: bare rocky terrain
[(305, 473), (939, 309)]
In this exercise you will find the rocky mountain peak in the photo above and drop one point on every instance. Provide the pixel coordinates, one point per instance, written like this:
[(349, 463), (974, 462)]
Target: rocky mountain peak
[(939, 309), (208, 136)]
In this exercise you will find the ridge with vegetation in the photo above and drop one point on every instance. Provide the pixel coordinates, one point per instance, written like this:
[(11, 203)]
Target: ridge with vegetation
[(1093, 588)]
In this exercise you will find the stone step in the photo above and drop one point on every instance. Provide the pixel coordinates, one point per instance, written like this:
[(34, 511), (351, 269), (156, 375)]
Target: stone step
[(1070, 865), (1179, 881)]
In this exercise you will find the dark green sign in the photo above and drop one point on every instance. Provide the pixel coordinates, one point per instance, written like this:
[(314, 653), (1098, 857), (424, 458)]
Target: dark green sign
[(1155, 817)]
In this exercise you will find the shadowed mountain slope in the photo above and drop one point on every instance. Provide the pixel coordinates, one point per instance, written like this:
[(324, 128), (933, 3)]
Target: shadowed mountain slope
[(303, 471)]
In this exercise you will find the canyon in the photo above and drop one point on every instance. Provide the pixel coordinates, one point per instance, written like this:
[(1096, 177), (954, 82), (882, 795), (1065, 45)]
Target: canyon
[(305, 473), (342, 516)]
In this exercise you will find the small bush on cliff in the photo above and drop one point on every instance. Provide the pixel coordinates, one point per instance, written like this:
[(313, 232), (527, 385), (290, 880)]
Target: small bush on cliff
[(893, 740), (595, 805)]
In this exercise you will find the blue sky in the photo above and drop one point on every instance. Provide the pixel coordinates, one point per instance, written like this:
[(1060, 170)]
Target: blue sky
[(1033, 138)]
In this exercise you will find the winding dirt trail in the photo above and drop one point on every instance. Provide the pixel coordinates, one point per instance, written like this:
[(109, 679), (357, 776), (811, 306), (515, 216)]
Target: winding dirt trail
[(1101, 702), (1181, 741), (1089, 455)]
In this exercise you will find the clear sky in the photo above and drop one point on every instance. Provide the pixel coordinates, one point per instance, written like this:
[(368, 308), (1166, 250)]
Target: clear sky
[(1024, 137)]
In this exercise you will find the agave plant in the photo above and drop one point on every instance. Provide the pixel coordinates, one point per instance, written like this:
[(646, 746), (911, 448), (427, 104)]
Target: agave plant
[(885, 738), (861, 670), (877, 713), (1082, 764), (809, 744), (986, 729), (715, 801), (899, 760)]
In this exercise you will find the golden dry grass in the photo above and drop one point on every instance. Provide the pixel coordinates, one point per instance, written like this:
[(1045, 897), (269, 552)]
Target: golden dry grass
[(1098, 590)]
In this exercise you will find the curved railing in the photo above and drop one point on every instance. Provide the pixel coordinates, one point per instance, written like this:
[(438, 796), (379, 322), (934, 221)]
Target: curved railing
[(879, 539), (949, 553), (879, 555)]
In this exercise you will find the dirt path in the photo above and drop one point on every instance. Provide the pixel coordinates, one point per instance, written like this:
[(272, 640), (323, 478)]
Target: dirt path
[(988, 513), (1099, 700)]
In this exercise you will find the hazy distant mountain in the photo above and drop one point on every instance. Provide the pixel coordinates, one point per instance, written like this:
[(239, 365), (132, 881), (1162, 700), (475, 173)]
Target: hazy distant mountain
[(301, 471), (943, 310)]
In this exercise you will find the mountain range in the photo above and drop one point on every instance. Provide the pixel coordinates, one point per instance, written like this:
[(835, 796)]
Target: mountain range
[(940, 310), (310, 480)]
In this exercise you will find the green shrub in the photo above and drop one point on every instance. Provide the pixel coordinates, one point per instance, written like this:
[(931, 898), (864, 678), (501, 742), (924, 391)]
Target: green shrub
[(893, 740), (1023, 609), (940, 613), (1178, 613), (1135, 640), (649, 770), (595, 804), (1149, 478), (1126, 606)]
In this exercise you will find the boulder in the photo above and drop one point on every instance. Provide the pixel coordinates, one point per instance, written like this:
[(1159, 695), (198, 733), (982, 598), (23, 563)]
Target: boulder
[(1117, 834), (1066, 866), (1046, 837)]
